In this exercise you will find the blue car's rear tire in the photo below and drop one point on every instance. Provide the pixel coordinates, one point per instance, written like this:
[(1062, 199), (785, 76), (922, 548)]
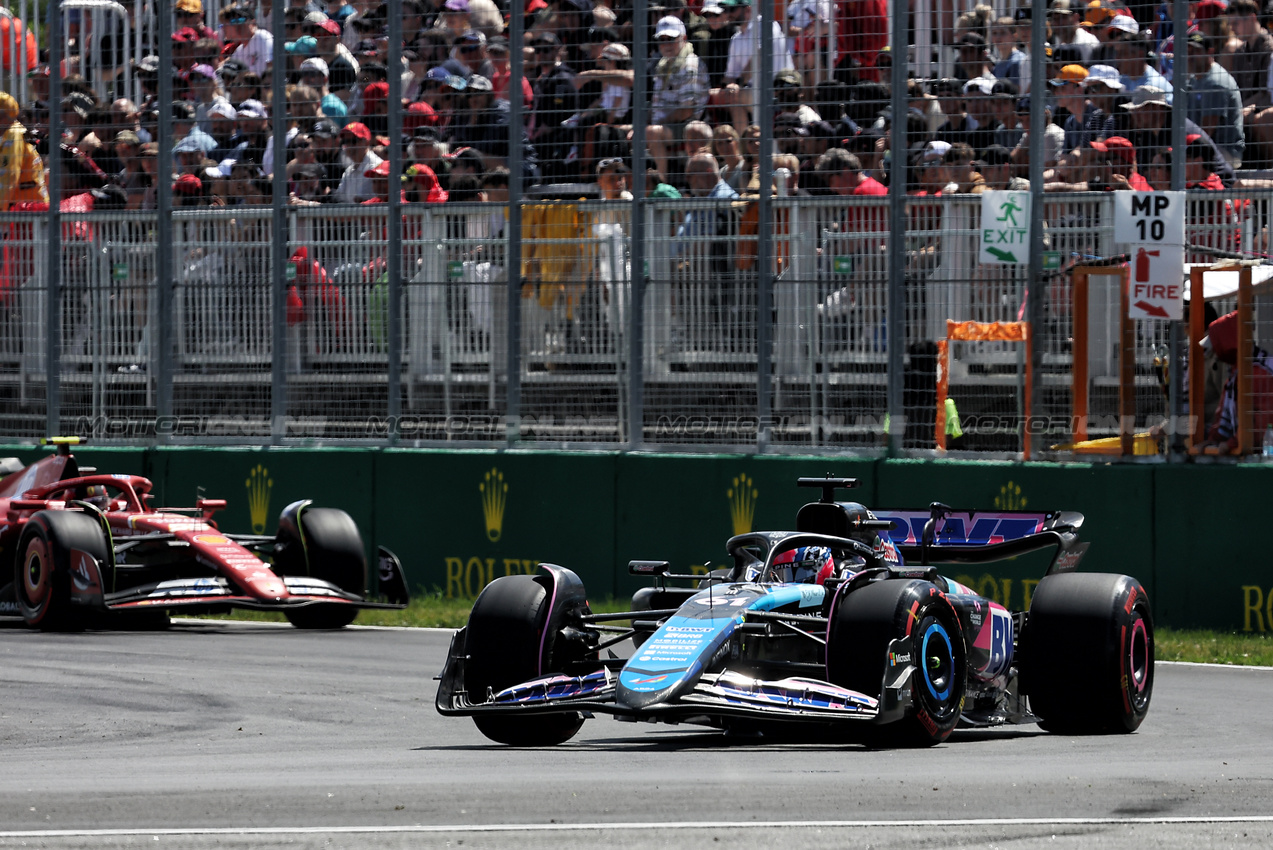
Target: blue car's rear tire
[(1088, 653), (508, 640), (865, 621)]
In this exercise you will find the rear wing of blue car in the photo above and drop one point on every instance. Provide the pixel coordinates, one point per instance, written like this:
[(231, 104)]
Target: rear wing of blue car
[(941, 535)]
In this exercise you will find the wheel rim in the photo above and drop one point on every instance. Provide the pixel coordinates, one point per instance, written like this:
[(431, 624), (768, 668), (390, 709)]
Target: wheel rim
[(937, 662), (36, 577), (1138, 663)]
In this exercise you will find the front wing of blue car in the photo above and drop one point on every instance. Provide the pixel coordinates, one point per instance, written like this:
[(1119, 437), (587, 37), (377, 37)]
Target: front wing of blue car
[(723, 694)]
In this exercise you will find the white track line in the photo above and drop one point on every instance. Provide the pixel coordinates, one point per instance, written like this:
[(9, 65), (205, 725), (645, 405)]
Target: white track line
[(633, 826)]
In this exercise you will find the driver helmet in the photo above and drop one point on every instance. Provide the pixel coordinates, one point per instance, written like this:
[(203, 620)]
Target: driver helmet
[(804, 565), (96, 495)]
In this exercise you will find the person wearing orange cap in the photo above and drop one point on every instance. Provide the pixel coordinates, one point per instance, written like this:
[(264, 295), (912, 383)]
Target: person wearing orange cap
[(1082, 121), (21, 169)]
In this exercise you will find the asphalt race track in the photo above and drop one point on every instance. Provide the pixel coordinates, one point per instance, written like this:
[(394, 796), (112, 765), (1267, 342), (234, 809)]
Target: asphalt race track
[(219, 734)]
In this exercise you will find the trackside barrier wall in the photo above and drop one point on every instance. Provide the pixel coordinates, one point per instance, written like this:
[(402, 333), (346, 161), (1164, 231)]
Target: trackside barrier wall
[(1191, 534)]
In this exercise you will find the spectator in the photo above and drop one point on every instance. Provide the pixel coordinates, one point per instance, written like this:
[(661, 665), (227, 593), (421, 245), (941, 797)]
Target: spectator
[(342, 67), (679, 91), (961, 171), (183, 126), (468, 56), (1053, 137), (1003, 114), (716, 51), (995, 167), (379, 177), (1133, 54), (973, 58), (727, 148), (501, 71), (1066, 30), (1215, 104), (1012, 65), (255, 46), (1097, 20), (1251, 68), (1222, 340), (21, 169), (556, 99), (245, 86), (842, 174), (207, 94), (1122, 165), (189, 13), (355, 187), (1100, 87), (958, 125), (1150, 131), (325, 142), (1200, 167), (252, 134), (131, 177), (744, 52), (221, 118)]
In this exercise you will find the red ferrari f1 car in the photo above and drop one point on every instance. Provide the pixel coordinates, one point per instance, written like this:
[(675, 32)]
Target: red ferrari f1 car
[(84, 548)]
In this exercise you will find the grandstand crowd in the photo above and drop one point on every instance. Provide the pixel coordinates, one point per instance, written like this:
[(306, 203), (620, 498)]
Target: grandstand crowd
[(1108, 86)]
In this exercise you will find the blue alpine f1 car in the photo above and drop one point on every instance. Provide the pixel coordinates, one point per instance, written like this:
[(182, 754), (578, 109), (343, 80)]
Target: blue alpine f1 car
[(844, 620)]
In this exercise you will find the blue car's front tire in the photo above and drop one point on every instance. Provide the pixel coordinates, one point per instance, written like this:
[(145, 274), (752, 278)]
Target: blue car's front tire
[(508, 640)]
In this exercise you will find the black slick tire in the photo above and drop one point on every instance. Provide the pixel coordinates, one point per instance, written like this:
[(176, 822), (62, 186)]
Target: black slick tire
[(1088, 653), (506, 643)]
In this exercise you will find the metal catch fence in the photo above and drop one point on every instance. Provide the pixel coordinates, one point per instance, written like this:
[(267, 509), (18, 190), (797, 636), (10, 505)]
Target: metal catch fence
[(574, 323)]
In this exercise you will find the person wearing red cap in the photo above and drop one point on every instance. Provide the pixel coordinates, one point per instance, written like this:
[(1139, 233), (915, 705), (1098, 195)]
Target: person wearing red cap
[(379, 177), (342, 67), (355, 187), (1122, 165), (1222, 341), (375, 107), (187, 191)]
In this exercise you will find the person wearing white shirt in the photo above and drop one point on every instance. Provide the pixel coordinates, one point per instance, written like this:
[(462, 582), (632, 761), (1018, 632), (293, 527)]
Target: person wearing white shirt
[(744, 54), (256, 46), (355, 186)]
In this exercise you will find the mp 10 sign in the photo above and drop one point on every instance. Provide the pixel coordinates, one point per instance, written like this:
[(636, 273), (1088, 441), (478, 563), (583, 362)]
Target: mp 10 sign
[(1152, 226), (1152, 217)]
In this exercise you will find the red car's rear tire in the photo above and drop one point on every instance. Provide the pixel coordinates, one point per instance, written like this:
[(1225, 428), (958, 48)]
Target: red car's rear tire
[(332, 550)]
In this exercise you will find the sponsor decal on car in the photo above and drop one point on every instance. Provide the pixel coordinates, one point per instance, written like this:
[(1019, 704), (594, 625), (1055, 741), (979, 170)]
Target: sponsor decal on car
[(895, 658), (211, 539)]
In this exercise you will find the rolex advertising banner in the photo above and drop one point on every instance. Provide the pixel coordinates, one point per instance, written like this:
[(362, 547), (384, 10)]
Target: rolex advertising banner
[(460, 519)]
